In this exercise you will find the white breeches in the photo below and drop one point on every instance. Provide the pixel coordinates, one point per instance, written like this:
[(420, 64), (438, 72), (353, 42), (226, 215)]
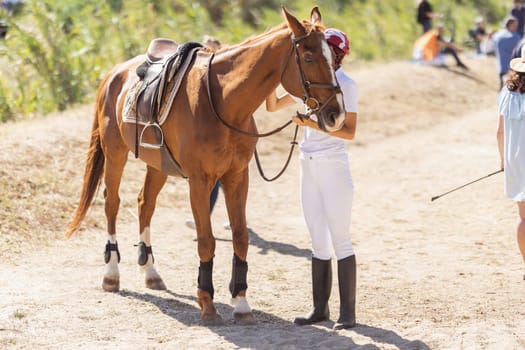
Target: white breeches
[(327, 192)]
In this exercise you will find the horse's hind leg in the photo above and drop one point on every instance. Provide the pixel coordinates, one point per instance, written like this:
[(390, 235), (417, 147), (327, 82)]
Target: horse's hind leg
[(114, 167), (235, 191), (153, 183)]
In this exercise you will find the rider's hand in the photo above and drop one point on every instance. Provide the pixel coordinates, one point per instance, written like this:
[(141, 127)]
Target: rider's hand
[(299, 121)]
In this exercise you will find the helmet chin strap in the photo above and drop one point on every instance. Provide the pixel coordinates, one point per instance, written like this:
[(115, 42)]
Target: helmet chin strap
[(338, 57)]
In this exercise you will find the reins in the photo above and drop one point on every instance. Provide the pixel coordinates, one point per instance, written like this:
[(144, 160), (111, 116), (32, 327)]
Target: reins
[(225, 123), (313, 104), (249, 134), (258, 162)]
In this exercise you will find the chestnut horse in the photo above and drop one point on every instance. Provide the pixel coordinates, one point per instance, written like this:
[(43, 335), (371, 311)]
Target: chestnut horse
[(239, 77)]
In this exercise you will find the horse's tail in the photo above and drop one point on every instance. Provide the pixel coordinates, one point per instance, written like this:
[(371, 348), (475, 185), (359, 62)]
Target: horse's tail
[(92, 177)]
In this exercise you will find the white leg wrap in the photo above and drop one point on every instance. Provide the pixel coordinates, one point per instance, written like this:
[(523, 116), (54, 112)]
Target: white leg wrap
[(240, 305)]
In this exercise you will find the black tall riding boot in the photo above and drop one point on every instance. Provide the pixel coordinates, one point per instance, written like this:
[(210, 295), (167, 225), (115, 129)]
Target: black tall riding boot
[(321, 288), (346, 272)]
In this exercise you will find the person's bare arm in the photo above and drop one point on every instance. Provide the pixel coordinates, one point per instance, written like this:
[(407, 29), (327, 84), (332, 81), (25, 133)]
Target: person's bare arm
[(274, 103), (433, 15), (347, 132), (499, 137)]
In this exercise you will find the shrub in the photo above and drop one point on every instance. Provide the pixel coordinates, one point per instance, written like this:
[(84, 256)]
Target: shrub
[(56, 51)]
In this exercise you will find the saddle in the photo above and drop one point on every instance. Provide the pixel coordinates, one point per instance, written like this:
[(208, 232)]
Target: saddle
[(164, 60), (149, 100)]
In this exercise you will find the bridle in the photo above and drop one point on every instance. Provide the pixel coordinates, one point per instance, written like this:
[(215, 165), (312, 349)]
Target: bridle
[(314, 106)]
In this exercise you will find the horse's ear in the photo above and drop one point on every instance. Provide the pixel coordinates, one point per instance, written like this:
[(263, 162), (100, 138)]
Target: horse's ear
[(293, 23), (315, 16)]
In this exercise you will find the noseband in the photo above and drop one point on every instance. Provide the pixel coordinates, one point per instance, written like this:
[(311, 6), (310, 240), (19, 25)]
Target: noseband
[(314, 106)]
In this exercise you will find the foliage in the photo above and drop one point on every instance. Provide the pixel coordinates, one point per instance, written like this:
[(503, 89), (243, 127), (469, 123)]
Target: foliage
[(6, 113), (56, 52)]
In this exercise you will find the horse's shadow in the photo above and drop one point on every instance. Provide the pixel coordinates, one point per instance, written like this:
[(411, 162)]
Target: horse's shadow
[(183, 309), (265, 246), (281, 248)]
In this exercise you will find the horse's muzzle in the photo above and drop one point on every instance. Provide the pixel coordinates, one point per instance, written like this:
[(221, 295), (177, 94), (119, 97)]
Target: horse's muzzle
[(331, 120)]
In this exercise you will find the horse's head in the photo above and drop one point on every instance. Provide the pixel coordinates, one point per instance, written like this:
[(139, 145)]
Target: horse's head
[(311, 75)]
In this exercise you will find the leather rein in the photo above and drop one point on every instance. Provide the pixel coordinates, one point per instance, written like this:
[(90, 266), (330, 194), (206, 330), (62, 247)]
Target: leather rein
[(314, 106)]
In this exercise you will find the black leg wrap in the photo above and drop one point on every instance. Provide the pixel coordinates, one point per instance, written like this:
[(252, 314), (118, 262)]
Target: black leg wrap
[(109, 248), (143, 253), (205, 279), (239, 272)]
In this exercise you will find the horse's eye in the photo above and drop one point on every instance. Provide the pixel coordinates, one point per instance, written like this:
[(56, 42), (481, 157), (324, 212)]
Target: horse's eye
[(308, 59)]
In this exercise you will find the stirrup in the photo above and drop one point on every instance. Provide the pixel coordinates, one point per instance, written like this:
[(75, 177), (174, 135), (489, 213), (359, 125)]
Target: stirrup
[(152, 145)]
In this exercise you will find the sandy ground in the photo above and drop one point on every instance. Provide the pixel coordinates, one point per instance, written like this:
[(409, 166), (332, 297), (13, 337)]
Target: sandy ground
[(431, 275)]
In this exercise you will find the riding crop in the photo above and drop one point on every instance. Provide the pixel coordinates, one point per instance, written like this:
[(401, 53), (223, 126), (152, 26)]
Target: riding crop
[(470, 183)]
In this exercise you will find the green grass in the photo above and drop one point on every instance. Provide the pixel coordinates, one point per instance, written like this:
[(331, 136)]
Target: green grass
[(56, 52)]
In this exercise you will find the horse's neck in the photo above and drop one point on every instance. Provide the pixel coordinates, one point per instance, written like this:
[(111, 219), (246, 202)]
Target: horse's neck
[(255, 70)]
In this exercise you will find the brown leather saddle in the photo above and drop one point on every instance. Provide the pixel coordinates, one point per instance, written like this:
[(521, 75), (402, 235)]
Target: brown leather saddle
[(160, 77), (164, 59)]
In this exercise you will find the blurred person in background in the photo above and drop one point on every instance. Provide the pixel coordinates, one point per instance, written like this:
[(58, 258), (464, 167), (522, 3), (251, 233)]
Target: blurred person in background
[(481, 37), (506, 40), (425, 14), (518, 12), (211, 42), (432, 47), (12, 7)]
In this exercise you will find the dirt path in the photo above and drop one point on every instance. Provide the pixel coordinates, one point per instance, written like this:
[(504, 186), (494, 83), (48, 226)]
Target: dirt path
[(431, 275)]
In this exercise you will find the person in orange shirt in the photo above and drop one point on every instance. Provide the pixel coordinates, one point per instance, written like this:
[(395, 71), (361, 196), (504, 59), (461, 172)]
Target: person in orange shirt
[(431, 46)]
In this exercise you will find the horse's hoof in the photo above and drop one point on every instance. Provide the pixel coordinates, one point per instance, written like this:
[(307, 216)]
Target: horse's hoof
[(212, 320), (110, 285), (156, 284), (244, 319)]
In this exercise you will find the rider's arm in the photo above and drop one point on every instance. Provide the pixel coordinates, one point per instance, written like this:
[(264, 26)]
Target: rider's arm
[(274, 103), (347, 132)]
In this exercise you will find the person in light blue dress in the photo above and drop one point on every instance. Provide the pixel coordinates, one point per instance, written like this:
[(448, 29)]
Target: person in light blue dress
[(511, 141)]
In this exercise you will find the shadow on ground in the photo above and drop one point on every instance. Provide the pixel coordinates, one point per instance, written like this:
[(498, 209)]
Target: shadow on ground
[(271, 331)]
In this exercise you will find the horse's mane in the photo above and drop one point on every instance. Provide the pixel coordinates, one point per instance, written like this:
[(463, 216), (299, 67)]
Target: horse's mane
[(258, 37), (255, 38)]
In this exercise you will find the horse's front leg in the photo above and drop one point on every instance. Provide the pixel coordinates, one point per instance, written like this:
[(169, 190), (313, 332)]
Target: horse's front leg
[(200, 190), (147, 199), (236, 192)]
